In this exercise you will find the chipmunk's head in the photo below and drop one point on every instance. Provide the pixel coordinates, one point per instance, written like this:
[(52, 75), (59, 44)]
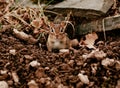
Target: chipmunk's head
[(57, 37)]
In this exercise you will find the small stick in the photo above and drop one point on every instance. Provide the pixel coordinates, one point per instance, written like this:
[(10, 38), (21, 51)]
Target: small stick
[(103, 21)]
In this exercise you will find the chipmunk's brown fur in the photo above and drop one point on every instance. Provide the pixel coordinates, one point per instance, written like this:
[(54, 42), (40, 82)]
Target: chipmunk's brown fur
[(57, 38)]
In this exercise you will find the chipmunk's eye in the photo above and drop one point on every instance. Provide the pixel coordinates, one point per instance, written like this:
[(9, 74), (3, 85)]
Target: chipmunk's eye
[(61, 30), (52, 30)]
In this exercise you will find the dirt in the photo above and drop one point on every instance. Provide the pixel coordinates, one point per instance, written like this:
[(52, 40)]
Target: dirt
[(30, 65), (57, 68)]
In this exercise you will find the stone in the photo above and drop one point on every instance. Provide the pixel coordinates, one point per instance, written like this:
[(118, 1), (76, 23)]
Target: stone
[(99, 25), (84, 8), (3, 84)]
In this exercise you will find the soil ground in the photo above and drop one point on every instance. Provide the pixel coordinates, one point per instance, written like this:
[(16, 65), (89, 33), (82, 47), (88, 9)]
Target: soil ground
[(56, 68)]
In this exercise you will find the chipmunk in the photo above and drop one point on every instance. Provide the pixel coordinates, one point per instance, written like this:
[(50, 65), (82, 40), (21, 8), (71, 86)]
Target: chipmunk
[(57, 38)]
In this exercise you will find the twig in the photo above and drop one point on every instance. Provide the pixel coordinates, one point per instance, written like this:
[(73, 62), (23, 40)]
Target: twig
[(51, 12), (67, 19), (19, 4), (114, 4), (41, 9), (42, 15), (68, 22), (103, 25)]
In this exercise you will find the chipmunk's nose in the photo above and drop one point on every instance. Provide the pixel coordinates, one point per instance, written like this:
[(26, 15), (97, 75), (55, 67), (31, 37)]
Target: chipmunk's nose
[(56, 36)]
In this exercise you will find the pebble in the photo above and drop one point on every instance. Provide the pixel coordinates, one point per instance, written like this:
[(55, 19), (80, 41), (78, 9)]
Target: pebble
[(83, 78), (12, 51), (34, 63), (3, 84)]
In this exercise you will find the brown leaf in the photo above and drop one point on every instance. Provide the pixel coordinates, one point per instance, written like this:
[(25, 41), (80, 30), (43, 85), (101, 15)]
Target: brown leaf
[(83, 78), (20, 34), (90, 40), (32, 84), (108, 62), (37, 23), (95, 54), (117, 65), (40, 72), (15, 77), (23, 36)]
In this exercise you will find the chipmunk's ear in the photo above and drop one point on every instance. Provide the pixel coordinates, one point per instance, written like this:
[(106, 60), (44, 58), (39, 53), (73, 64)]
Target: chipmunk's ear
[(51, 25), (63, 26)]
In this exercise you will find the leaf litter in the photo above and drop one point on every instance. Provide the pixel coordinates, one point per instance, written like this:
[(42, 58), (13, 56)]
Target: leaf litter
[(27, 65)]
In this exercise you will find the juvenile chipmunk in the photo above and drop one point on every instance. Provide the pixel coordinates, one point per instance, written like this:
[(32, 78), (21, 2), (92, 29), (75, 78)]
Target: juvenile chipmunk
[(57, 38)]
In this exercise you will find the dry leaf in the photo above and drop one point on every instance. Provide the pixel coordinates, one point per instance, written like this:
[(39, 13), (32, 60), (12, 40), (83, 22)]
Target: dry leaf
[(90, 40), (83, 78), (15, 77), (95, 54), (108, 62), (94, 68), (12, 51), (40, 72), (117, 65), (32, 84), (3, 84), (23, 36), (61, 86), (37, 23), (28, 57), (64, 50), (3, 72), (118, 84)]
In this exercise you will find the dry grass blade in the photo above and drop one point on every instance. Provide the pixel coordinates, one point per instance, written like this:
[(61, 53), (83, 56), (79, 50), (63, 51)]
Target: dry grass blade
[(114, 5), (68, 22), (14, 14)]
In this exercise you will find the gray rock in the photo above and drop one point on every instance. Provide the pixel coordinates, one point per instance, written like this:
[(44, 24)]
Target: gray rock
[(84, 8), (106, 24)]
